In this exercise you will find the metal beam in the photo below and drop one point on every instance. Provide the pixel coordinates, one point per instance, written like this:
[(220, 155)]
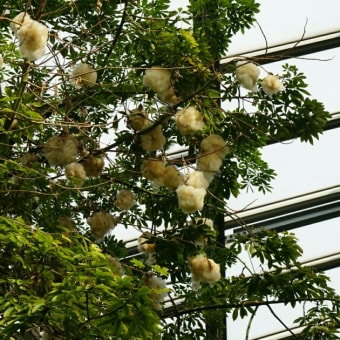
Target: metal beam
[(289, 49), (289, 213)]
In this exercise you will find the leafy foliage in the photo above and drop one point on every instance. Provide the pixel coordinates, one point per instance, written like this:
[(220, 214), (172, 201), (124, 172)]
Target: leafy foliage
[(57, 280)]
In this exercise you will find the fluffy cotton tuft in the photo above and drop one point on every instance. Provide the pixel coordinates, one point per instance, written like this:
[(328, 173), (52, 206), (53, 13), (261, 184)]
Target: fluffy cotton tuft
[(168, 96), (125, 199), (116, 264), (101, 223), (172, 178), (190, 199), (153, 170), (144, 245), (189, 120), (83, 75), (32, 37), (28, 159), (209, 163), (75, 170), (214, 144), (203, 269), (159, 80), (213, 150), (153, 140), (19, 20), (67, 223), (247, 74), (60, 150), (138, 119), (272, 84), (93, 166), (158, 293), (196, 179)]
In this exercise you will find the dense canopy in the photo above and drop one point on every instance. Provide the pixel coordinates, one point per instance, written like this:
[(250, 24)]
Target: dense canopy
[(125, 113)]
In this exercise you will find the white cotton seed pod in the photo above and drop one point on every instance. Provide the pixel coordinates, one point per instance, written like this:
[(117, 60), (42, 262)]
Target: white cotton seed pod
[(19, 20), (209, 163), (101, 223), (138, 119), (157, 285), (214, 144), (190, 199), (28, 159), (204, 269), (75, 170), (172, 178), (83, 75), (153, 170), (66, 222), (247, 74), (153, 140), (272, 84), (189, 120), (125, 199), (196, 179), (144, 245), (93, 166), (116, 264), (61, 151), (168, 96), (157, 79), (32, 36)]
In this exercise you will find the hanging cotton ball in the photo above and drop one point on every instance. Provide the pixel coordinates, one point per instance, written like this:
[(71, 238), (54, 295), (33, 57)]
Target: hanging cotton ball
[(154, 139), (117, 266), (28, 159), (172, 178), (60, 150), (168, 96), (144, 244), (93, 166), (203, 269), (196, 179), (101, 223), (19, 20), (66, 222), (158, 293), (153, 170), (83, 75), (189, 120), (272, 84), (214, 144), (158, 79), (125, 199), (75, 171), (190, 199), (209, 163), (247, 74), (138, 119), (44, 335), (32, 37)]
